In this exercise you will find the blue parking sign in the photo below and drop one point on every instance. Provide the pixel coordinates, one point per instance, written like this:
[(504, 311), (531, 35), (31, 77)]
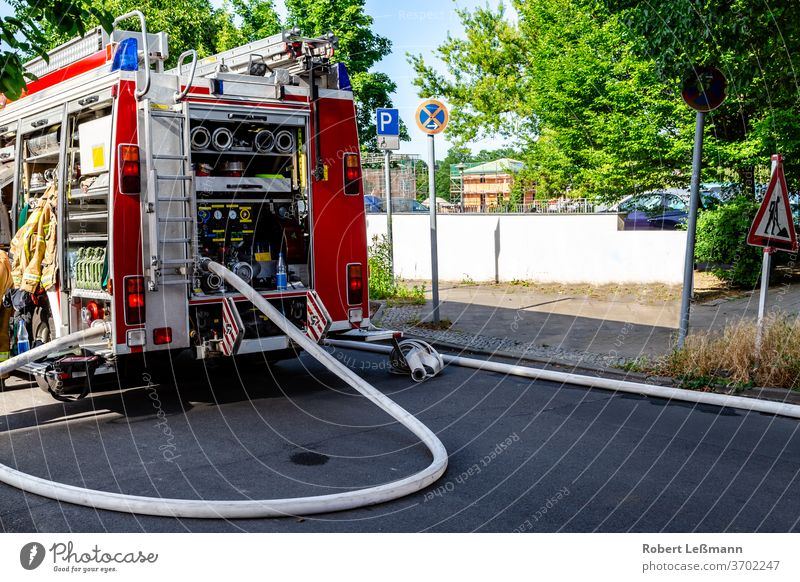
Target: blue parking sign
[(388, 121)]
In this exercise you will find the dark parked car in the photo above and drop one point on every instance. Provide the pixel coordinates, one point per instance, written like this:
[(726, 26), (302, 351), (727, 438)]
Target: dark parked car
[(660, 210)]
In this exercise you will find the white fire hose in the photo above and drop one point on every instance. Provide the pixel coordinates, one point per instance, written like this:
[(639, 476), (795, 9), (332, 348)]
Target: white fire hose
[(56, 345), (739, 402), (237, 509)]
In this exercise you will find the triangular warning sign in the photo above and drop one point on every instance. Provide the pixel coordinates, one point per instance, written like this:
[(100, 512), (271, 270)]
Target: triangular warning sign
[(773, 225)]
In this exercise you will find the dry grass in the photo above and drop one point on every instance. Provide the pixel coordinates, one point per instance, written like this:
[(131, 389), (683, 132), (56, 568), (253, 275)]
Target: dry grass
[(729, 357)]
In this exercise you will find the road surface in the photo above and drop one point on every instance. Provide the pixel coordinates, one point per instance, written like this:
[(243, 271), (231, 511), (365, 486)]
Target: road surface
[(524, 456)]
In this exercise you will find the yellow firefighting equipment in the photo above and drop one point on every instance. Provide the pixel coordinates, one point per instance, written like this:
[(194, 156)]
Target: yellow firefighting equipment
[(33, 248), (5, 312)]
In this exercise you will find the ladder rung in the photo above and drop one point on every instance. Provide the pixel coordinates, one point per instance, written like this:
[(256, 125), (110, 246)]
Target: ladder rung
[(175, 220), (172, 177), (177, 262), (174, 240), (175, 282), (173, 199)]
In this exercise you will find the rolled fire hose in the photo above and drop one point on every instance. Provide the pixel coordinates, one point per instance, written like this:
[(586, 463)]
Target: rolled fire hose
[(238, 509), (222, 139), (284, 141), (740, 402), (200, 137), (264, 141)]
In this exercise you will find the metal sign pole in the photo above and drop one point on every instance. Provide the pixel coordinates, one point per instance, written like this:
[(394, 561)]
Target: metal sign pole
[(434, 251), (688, 266), (387, 156), (766, 263)]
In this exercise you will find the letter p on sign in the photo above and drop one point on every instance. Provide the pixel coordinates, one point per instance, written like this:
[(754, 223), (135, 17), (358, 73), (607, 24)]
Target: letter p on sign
[(388, 121)]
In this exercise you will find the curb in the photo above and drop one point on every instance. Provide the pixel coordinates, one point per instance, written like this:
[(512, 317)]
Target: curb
[(758, 393)]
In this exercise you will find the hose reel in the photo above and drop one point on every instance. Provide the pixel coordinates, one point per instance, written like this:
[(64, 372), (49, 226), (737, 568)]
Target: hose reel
[(417, 358)]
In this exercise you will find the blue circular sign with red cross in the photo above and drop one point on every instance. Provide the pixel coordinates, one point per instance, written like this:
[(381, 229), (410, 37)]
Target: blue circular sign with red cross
[(432, 116), (704, 89)]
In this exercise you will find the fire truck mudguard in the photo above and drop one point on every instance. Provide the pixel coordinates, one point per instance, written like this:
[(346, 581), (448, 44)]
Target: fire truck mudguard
[(238, 509)]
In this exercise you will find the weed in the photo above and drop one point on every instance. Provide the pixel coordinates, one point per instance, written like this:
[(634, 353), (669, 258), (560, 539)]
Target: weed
[(641, 364), (382, 284), (728, 358)]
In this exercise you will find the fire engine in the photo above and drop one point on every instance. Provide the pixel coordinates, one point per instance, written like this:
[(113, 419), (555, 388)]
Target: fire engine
[(248, 158)]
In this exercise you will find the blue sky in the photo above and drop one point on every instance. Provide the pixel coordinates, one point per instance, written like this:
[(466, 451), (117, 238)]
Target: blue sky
[(417, 27), (413, 26)]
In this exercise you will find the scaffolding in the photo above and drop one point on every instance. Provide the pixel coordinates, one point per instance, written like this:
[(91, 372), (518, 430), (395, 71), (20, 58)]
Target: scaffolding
[(403, 175), (484, 185)]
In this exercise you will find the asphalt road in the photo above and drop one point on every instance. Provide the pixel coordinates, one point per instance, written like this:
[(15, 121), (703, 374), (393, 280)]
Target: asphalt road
[(524, 456)]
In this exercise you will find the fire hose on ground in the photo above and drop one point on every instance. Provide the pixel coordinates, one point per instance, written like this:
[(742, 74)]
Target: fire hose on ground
[(722, 400), (237, 509)]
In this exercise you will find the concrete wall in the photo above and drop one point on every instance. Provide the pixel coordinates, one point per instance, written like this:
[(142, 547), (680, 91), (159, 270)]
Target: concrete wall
[(577, 248)]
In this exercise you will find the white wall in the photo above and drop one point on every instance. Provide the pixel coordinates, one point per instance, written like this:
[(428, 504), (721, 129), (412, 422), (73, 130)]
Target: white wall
[(577, 248)]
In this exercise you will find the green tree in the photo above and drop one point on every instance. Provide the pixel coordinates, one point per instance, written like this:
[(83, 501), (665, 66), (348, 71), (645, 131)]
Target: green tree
[(24, 35), (259, 19), (359, 49), (564, 82), (193, 24), (755, 44)]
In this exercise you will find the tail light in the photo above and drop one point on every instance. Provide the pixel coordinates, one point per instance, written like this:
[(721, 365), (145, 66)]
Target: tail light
[(129, 179), (355, 284), (134, 300), (162, 335), (352, 174)]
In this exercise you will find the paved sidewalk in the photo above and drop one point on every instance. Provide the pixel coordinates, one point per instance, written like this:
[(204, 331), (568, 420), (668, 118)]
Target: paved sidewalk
[(572, 328)]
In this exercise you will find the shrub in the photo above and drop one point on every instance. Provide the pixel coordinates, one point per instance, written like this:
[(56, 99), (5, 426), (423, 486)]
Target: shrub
[(382, 284), (722, 241)]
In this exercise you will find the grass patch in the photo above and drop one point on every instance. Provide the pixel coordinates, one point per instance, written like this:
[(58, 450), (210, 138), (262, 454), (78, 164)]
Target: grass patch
[(728, 358), (414, 295)]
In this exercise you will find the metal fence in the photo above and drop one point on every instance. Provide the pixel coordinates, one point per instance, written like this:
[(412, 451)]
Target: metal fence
[(560, 206)]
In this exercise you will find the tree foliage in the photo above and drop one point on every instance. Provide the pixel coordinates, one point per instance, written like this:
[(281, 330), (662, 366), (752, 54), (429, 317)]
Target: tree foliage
[(755, 44), (258, 18), (359, 49), (567, 85), (39, 26), (191, 24), (24, 36)]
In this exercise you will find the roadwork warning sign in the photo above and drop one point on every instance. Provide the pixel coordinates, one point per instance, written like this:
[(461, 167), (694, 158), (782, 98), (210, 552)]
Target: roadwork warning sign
[(774, 225)]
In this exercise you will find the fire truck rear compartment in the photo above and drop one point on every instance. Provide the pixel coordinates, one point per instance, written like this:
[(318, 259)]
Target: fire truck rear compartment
[(250, 194)]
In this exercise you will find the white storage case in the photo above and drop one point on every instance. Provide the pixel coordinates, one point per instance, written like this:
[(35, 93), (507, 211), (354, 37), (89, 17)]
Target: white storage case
[(95, 140)]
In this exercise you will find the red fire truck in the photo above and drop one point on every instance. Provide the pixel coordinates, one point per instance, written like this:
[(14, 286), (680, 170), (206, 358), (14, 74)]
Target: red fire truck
[(248, 158)]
